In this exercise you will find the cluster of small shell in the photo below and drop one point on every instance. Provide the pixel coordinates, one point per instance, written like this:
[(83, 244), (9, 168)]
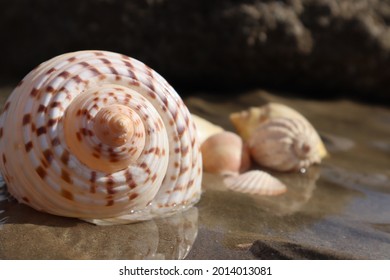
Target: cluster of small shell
[(99, 136), (274, 136)]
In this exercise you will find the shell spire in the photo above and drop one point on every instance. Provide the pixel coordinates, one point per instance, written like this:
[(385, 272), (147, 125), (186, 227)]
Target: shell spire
[(99, 136)]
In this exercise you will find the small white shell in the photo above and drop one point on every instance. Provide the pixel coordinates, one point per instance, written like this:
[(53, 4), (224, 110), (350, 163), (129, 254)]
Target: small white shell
[(224, 153), (255, 182), (205, 128), (285, 144), (247, 121)]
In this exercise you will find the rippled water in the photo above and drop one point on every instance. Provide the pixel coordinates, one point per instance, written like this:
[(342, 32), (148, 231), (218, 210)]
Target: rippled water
[(338, 210)]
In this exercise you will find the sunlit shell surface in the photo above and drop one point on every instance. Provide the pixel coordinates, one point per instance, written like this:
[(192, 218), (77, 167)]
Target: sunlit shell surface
[(247, 121), (205, 128), (255, 182), (285, 144), (224, 153), (99, 136)]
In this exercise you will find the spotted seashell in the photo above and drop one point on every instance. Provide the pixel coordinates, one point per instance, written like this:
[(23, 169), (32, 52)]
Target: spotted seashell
[(285, 144), (255, 182), (99, 136)]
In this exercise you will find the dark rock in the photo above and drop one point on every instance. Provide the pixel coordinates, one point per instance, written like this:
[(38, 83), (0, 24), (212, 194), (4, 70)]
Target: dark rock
[(311, 45), (281, 250)]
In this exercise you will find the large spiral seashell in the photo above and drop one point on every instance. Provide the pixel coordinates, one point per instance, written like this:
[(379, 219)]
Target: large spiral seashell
[(99, 136), (285, 144)]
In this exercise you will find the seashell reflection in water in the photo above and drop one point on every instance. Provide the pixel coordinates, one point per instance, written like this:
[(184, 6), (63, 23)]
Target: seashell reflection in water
[(98, 135), (255, 182), (301, 187), (170, 237), (285, 145)]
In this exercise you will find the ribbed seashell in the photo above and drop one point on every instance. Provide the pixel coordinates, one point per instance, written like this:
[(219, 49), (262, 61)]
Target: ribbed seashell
[(284, 144), (98, 135), (224, 153), (205, 128), (247, 121), (255, 182)]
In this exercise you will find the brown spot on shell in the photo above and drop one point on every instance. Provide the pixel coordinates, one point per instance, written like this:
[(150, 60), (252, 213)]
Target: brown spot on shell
[(26, 119), (41, 172), (93, 177), (41, 130), (78, 136), (52, 122), (48, 154), (183, 170), (133, 196), (42, 108), (65, 157), (102, 77), (64, 74), (67, 194), (25, 199), (6, 106), (84, 64), (4, 159), (55, 104), (110, 202), (105, 61), (110, 183), (56, 141), (28, 146), (180, 130), (50, 89), (184, 151), (66, 176), (96, 155), (113, 71), (86, 132), (77, 79), (34, 92), (51, 70), (71, 59), (94, 70)]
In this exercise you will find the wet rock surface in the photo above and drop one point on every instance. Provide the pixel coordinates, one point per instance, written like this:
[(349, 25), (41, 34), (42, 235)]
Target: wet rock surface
[(327, 47), (337, 210)]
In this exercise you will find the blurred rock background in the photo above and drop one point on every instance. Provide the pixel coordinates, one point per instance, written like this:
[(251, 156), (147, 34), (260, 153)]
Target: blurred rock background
[(320, 48)]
